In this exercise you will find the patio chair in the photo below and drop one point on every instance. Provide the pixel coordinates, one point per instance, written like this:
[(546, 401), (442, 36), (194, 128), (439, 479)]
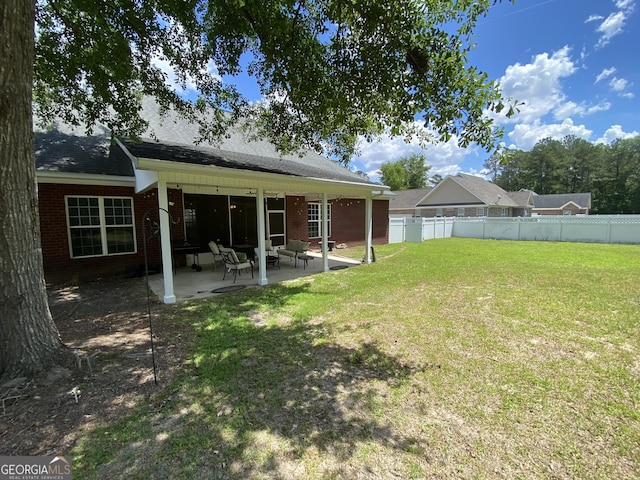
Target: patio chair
[(231, 262), (213, 246)]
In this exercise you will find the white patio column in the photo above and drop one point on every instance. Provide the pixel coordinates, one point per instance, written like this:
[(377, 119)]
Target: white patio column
[(165, 242), (368, 227), (262, 232), (325, 230)]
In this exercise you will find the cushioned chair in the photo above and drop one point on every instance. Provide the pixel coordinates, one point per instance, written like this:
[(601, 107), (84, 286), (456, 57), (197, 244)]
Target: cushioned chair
[(216, 253), (231, 262), (272, 257)]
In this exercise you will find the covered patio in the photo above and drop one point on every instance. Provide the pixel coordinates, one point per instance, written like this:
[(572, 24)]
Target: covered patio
[(241, 194), (191, 284)]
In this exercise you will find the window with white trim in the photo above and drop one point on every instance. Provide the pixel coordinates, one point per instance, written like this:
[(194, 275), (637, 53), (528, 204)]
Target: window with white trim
[(315, 219), (461, 211), (480, 212), (504, 212), (100, 226)]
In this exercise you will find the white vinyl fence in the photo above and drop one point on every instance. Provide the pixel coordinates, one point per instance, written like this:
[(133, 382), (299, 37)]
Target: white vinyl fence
[(591, 228)]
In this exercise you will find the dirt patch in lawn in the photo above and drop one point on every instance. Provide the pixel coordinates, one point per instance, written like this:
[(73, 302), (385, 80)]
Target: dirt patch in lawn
[(107, 324)]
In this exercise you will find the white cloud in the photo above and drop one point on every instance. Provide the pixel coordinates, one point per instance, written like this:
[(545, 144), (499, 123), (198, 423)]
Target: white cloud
[(625, 4), (615, 132), (445, 157), (525, 136), (593, 18), (607, 72), (172, 81), (537, 84), (618, 84), (614, 24), (569, 109)]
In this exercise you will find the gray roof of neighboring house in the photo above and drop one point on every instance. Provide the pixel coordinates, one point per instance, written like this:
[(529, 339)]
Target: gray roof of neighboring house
[(560, 199), (406, 199), (523, 198), (65, 149), (487, 192)]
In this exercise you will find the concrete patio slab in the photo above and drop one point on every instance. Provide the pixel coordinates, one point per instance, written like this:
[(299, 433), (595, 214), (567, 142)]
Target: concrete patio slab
[(189, 284)]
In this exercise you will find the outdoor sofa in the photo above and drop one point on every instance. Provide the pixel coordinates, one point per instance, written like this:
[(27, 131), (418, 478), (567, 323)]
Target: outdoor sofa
[(293, 249)]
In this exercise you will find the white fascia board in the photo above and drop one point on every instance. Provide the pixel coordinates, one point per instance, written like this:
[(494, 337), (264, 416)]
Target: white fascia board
[(257, 179), (47, 176), (145, 179)]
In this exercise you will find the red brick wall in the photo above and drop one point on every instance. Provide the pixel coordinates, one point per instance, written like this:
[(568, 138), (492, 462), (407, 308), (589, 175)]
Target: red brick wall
[(347, 221), (61, 268), (297, 216), (348, 218)]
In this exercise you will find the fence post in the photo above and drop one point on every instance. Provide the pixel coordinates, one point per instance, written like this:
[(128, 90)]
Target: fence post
[(560, 235)]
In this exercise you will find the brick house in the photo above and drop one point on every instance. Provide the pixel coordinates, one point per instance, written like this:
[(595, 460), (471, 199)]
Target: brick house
[(103, 202), (562, 204), (465, 195)]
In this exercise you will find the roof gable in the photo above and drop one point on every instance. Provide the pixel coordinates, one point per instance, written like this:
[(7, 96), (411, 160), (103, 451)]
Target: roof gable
[(523, 198), (464, 189)]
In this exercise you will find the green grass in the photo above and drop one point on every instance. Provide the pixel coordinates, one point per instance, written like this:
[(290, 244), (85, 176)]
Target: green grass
[(452, 358)]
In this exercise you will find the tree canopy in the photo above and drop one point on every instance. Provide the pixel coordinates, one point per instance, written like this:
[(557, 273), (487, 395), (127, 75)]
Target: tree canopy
[(330, 71), (405, 173)]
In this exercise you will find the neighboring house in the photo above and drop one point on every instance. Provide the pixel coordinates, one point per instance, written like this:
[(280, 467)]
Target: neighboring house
[(523, 198), (404, 202), (562, 204), (96, 196), (464, 195)]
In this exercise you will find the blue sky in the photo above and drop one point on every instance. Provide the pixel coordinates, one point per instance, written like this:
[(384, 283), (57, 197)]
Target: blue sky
[(575, 64)]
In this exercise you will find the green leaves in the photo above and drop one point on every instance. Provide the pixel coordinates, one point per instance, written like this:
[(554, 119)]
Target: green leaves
[(406, 173), (330, 71)]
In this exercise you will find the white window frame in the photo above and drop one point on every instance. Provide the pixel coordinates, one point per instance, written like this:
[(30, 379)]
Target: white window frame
[(438, 212), (317, 218), (480, 212), (100, 222), (460, 211), (505, 212)]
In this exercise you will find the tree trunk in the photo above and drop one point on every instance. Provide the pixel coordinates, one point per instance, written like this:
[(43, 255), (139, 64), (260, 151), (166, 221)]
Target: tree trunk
[(29, 340)]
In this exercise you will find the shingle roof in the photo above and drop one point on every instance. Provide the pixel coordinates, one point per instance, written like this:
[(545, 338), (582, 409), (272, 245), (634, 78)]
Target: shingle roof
[(64, 149), (172, 138), (487, 192), (521, 197), (560, 199), (405, 199)]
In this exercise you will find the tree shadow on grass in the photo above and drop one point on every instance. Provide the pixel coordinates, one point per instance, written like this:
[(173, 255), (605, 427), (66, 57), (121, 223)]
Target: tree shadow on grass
[(263, 402)]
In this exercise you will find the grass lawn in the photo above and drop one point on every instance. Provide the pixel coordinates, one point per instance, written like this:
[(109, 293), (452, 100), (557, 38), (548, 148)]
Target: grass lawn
[(454, 358)]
